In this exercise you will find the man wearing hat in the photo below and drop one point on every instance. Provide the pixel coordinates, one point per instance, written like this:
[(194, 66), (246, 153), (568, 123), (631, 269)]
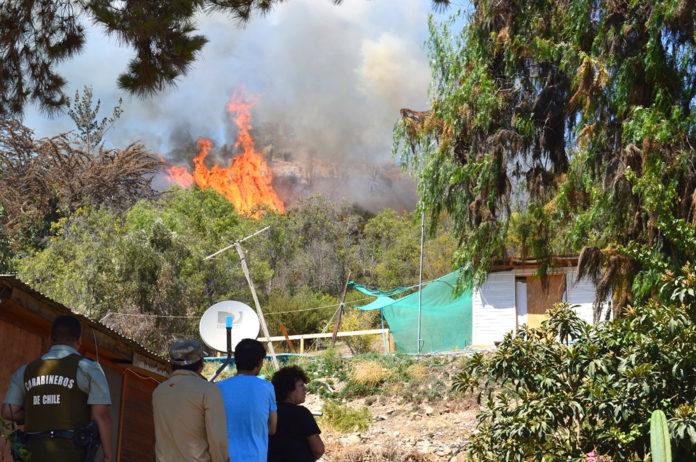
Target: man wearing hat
[(189, 412)]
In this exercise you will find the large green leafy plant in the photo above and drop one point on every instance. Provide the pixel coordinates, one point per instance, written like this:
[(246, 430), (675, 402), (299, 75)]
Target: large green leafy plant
[(548, 400)]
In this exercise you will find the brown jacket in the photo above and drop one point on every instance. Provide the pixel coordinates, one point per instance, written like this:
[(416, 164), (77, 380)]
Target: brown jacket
[(190, 423)]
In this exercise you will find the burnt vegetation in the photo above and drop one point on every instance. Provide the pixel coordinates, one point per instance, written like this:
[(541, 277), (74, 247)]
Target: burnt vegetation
[(50, 177)]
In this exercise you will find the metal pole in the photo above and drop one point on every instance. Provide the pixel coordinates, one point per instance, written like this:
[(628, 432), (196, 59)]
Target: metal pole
[(420, 280), (240, 251), (238, 242), (340, 310)]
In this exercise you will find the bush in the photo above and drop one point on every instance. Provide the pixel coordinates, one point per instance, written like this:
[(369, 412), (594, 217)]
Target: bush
[(369, 372), (549, 399), (345, 419), (390, 452), (292, 310), (355, 319), (417, 372)]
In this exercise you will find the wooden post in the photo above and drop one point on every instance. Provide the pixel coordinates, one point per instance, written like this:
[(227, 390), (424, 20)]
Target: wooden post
[(301, 345), (340, 310), (287, 338), (392, 343), (240, 251)]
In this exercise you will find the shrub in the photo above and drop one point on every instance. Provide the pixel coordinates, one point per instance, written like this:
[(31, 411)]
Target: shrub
[(417, 371), (333, 363), (369, 372), (345, 419), (291, 310), (549, 399), (390, 452), (360, 320)]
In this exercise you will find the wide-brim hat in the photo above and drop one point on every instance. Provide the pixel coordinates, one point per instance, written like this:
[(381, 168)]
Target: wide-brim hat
[(186, 351)]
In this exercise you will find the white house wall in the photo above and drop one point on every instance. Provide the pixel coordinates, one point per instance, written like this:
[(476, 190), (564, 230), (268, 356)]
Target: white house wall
[(493, 308), (581, 293), (494, 313)]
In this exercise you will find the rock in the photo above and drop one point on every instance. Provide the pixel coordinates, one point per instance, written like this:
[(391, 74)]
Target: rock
[(428, 410), (352, 440)]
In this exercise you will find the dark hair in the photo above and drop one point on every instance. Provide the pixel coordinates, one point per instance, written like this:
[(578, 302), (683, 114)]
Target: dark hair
[(248, 353), (285, 380), (65, 329), (189, 367)]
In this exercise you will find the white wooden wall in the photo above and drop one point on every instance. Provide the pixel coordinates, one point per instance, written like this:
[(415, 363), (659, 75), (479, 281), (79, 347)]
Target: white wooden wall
[(494, 313), (493, 308), (582, 293)]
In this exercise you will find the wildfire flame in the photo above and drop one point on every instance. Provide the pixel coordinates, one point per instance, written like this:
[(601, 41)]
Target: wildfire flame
[(247, 181)]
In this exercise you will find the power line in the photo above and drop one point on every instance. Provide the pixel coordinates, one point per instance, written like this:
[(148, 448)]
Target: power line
[(111, 313)]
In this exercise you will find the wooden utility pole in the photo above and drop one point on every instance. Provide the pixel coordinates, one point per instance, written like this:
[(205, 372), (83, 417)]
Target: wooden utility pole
[(262, 320), (340, 310), (240, 251)]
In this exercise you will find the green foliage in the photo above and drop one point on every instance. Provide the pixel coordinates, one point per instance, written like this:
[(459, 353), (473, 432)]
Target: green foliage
[(90, 130), (332, 361), (557, 126), (302, 312), (344, 418), (544, 398), (354, 320), (41, 35), (660, 447), (311, 246), (13, 442), (145, 272), (146, 269)]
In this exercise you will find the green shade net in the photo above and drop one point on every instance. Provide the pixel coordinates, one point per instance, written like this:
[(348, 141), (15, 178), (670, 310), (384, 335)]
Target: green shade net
[(445, 319), (379, 293)]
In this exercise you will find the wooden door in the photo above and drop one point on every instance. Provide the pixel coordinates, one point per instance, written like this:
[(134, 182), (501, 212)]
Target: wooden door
[(136, 433), (539, 300)]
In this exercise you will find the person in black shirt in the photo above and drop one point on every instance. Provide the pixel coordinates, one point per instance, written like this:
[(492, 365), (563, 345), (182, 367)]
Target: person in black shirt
[(297, 435)]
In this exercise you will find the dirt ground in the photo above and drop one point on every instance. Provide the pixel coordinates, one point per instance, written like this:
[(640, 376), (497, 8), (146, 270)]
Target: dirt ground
[(402, 430)]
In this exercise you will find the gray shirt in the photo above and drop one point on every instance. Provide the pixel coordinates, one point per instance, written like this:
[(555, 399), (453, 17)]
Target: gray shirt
[(90, 378)]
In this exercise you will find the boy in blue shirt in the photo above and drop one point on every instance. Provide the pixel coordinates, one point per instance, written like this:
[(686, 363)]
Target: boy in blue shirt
[(250, 405)]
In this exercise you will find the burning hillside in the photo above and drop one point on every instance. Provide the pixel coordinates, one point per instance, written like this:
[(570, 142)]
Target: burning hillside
[(247, 181), (271, 167)]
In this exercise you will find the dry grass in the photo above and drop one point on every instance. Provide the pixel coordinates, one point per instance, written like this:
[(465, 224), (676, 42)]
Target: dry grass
[(369, 372), (387, 453), (417, 371)]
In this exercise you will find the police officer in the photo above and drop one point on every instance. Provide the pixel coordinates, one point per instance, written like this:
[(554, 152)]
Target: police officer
[(57, 396)]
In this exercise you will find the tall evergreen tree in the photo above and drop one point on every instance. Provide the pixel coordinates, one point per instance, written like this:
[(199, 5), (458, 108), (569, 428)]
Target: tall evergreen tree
[(567, 126)]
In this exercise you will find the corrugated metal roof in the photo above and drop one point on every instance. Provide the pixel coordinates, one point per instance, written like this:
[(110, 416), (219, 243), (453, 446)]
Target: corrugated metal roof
[(13, 281)]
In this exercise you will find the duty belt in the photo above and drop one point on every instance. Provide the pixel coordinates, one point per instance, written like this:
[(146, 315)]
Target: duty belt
[(67, 434)]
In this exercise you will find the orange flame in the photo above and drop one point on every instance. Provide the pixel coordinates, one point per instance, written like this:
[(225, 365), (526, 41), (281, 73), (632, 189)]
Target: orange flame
[(247, 181), (180, 176)]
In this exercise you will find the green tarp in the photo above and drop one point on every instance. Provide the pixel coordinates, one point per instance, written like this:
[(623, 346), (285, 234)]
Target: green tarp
[(446, 321)]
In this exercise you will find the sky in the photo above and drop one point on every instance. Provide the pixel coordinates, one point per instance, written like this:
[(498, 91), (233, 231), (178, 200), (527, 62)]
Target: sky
[(331, 78)]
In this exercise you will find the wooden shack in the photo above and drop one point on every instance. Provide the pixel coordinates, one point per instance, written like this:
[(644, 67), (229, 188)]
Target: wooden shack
[(132, 371), (513, 295)]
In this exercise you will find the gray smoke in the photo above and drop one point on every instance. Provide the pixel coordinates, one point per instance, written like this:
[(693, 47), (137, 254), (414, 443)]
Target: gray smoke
[(329, 82)]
